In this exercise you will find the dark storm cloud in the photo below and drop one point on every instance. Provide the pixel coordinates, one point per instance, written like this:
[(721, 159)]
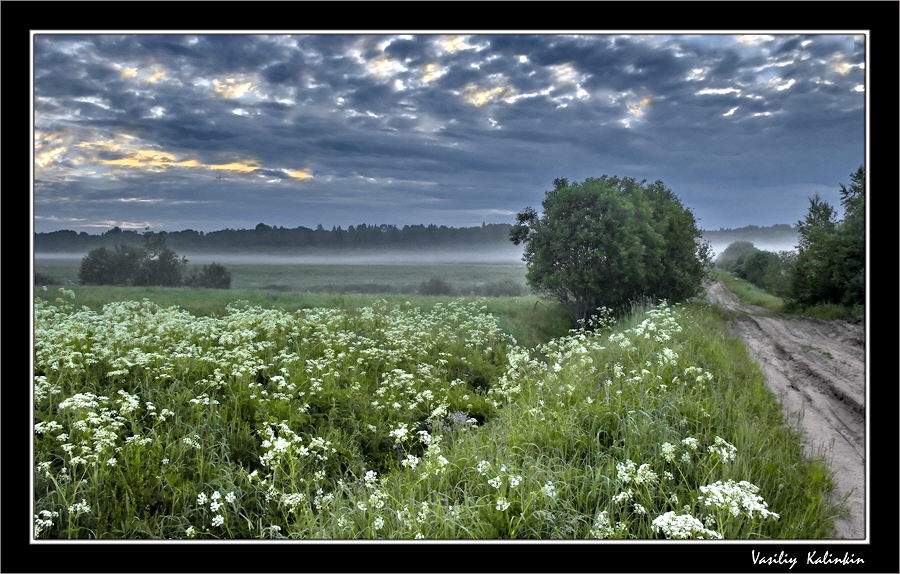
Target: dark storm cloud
[(343, 128)]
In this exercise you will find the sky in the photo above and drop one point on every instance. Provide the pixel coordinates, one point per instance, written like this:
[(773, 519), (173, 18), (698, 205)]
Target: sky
[(211, 131)]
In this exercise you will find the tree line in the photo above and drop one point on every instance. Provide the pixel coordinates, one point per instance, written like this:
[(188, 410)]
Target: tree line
[(829, 264), (266, 237)]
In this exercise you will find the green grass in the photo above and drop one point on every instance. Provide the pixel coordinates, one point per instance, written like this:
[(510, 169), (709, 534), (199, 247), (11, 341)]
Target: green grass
[(531, 320), (307, 424), (528, 318), (749, 293), (340, 278), (826, 311)]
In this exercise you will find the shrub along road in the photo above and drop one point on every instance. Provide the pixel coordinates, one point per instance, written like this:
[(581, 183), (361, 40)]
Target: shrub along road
[(816, 368)]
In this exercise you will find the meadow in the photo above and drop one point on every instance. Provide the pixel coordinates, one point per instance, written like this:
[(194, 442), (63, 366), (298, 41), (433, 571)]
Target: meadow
[(254, 414), (314, 277)]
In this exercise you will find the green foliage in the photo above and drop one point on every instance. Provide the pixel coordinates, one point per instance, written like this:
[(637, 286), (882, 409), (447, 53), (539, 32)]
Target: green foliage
[(764, 269), (117, 266), (212, 276), (290, 240), (154, 264), (750, 293), (732, 253), (830, 263), (609, 241)]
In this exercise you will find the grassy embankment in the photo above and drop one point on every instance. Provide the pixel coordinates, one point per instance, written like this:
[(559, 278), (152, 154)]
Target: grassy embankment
[(394, 420), (753, 295)]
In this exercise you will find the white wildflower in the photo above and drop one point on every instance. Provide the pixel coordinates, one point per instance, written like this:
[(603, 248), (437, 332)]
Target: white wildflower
[(80, 507), (549, 490), (623, 496), (723, 450), (691, 443), (668, 451), (682, 527), (735, 497)]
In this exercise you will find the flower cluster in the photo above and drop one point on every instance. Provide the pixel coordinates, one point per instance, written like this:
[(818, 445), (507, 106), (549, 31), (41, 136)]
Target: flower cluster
[(735, 498), (722, 450), (603, 528), (43, 520), (630, 472), (682, 527)]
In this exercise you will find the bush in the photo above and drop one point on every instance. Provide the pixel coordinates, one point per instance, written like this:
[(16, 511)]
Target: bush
[(212, 276), (153, 264), (436, 286), (729, 257), (119, 266), (42, 279)]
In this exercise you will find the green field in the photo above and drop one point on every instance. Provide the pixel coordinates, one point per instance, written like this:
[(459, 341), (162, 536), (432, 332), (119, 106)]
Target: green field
[(463, 278), (530, 319), (277, 413)]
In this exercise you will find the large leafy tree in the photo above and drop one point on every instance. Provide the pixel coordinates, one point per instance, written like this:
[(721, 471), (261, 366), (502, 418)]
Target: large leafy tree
[(608, 241)]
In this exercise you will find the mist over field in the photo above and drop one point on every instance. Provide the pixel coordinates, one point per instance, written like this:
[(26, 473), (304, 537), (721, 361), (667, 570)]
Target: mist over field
[(492, 256), (764, 244), (489, 254)]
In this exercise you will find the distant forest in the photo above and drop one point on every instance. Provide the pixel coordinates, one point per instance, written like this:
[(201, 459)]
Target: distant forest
[(362, 236), (288, 239)]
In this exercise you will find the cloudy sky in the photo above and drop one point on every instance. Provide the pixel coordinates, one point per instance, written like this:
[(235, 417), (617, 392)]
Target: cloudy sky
[(213, 131)]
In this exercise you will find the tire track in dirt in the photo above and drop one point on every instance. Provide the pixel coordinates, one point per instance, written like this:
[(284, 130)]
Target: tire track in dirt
[(817, 370)]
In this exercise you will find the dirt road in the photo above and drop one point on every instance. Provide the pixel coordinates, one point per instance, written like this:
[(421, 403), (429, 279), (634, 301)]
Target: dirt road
[(816, 368)]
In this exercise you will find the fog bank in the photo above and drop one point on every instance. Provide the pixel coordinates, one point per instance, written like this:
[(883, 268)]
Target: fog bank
[(765, 245), (512, 256)]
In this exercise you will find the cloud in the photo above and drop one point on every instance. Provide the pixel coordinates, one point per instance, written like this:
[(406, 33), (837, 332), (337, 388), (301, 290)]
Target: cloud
[(283, 126)]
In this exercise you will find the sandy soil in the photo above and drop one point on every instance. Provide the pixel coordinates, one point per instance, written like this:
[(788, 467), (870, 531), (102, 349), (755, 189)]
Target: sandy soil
[(817, 369)]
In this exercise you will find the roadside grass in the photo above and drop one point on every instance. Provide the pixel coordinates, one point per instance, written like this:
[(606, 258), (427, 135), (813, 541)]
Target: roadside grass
[(752, 295), (826, 311), (749, 293), (402, 421)]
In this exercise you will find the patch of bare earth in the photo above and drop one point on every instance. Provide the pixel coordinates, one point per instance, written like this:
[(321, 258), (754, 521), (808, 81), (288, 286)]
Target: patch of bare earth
[(817, 369)]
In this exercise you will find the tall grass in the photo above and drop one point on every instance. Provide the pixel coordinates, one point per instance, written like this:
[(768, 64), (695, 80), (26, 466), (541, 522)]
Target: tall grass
[(749, 293), (396, 421)]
